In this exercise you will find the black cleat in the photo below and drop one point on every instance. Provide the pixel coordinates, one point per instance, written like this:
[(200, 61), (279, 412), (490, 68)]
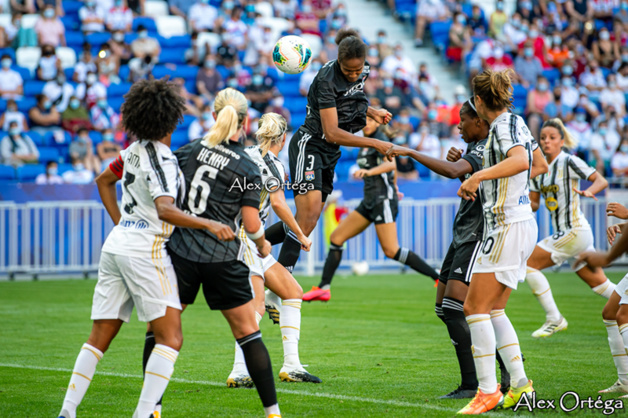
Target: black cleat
[(460, 393)]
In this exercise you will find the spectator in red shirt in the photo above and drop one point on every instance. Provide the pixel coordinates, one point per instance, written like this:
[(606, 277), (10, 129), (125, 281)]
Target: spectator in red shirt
[(499, 61), (321, 8), (306, 19), (538, 44)]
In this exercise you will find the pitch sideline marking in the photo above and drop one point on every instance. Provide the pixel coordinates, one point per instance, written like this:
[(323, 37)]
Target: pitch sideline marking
[(279, 390)]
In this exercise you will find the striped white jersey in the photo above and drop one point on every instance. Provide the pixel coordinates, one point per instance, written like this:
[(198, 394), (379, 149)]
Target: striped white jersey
[(557, 186), (151, 170), (506, 200), (273, 177)]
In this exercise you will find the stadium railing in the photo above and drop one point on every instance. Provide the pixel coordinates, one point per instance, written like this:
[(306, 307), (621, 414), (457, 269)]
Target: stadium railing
[(65, 237)]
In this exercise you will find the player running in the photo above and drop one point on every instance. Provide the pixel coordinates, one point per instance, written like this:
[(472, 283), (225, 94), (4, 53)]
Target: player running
[(510, 233), (135, 269), (337, 108), (285, 295), (560, 188), (379, 206)]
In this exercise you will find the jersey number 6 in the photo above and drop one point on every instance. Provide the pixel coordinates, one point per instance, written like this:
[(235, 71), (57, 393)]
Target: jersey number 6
[(198, 204)]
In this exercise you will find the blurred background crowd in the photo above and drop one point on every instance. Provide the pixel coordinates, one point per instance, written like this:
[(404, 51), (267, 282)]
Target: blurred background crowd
[(65, 66)]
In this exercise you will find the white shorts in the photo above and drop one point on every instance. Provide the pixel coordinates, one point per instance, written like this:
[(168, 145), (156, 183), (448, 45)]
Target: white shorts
[(567, 245), (505, 252), (622, 290), (257, 265), (149, 284)]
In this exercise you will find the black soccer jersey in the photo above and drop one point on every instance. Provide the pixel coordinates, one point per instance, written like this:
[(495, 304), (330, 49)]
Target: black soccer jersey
[(469, 222), (380, 187), (219, 182), (330, 89)]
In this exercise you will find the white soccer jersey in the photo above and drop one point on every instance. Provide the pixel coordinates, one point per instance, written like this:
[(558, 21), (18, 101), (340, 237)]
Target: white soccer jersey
[(151, 170), (506, 200), (273, 176), (557, 186)]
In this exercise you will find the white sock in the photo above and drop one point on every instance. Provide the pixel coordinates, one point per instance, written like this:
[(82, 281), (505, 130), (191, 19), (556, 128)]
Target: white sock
[(483, 348), (274, 409), (605, 290), (290, 323), (508, 347), (82, 374), (541, 289), (156, 377), (618, 350), (239, 365)]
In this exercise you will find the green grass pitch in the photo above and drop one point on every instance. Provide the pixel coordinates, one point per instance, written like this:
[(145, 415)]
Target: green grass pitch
[(377, 345)]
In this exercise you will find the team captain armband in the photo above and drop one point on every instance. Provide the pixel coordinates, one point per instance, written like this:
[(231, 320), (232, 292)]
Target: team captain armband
[(117, 166)]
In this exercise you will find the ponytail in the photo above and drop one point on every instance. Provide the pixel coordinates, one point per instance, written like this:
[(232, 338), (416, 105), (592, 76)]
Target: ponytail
[(272, 126), (570, 141), (231, 109)]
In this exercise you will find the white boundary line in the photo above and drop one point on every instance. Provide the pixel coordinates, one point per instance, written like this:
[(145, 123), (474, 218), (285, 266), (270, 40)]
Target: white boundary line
[(279, 390)]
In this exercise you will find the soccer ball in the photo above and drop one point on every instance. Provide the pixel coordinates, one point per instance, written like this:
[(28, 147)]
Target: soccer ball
[(360, 268), (292, 54)]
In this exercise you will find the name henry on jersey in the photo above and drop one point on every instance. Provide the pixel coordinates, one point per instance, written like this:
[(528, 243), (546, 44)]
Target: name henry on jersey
[(214, 159)]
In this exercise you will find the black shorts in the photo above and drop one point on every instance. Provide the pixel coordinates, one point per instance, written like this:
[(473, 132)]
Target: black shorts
[(383, 212), (458, 264), (225, 285), (311, 166)]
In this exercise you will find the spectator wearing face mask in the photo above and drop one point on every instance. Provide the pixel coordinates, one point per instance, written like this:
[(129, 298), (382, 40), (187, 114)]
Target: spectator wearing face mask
[(306, 20), (141, 68), (51, 176), (91, 90), (459, 38), (58, 91), (79, 174), (200, 126), (119, 48), (391, 97), (619, 161), (558, 53), (620, 17), (17, 149), (384, 48), (208, 80), (145, 45), (322, 8), (11, 83), (538, 45), (108, 150), (8, 32), (108, 66), (103, 116), (428, 11), (44, 117), (528, 67), (569, 94), (202, 16), (85, 64), (399, 61), (613, 96), (604, 143), (426, 90), (499, 61), (82, 149), (235, 30), (329, 51), (119, 17), (49, 28), (286, 9), (513, 33), (538, 100), (261, 91), (605, 51), (76, 116), (581, 131), (593, 79), (12, 114), (338, 19), (497, 20), (49, 64), (92, 17)]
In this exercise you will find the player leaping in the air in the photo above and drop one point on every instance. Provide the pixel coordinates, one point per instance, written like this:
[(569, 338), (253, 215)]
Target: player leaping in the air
[(336, 109)]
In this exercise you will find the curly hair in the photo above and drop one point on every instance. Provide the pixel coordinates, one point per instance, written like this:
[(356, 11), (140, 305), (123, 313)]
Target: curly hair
[(152, 109)]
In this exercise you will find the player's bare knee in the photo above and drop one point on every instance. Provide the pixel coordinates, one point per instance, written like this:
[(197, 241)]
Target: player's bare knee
[(622, 315), (390, 252)]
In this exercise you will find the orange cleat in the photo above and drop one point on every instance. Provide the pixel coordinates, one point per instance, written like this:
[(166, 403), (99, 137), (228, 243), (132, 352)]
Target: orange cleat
[(317, 294), (483, 403), (436, 283)]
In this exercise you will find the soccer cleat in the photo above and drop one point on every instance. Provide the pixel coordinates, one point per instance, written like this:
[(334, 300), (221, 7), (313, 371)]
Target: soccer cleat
[(297, 375), (512, 398), (617, 387), (273, 306), (459, 393), (274, 416), (550, 328), (317, 294), (156, 414), (483, 402), (240, 381)]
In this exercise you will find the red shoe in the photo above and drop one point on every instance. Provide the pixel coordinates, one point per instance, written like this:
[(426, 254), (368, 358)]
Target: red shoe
[(317, 294)]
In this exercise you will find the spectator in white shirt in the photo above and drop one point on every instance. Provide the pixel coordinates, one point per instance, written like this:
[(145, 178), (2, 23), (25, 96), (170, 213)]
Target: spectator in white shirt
[(17, 149), (235, 30), (202, 16), (201, 126), (12, 114), (593, 79), (51, 176), (49, 64), (399, 61), (604, 143), (92, 17), (569, 95), (581, 130), (11, 83), (79, 174), (619, 162), (59, 91), (103, 116), (86, 64), (286, 8), (612, 95), (145, 45), (119, 17), (91, 90)]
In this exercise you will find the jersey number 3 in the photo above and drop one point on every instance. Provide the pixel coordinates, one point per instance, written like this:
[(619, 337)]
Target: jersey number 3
[(199, 190)]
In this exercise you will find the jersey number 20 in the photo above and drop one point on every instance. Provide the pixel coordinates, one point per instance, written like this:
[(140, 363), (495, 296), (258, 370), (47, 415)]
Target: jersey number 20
[(198, 204)]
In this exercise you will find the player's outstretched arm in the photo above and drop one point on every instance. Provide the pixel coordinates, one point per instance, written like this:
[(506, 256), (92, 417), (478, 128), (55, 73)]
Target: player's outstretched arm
[(599, 184), (539, 163), (106, 183), (281, 208), (255, 230), (385, 167), (335, 135), (448, 169), (169, 212)]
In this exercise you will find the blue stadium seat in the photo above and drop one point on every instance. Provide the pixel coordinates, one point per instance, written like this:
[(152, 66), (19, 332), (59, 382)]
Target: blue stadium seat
[(171, 56), (116, 102), (96, 137), (424, 172), (7, 172), (295, 104), (187, 121), (161, 71), (26, 104), (124, 73), (59, 139), (71, 23), (188, 72), (297, 119), (179, 139), (118, 90), (440, 33), (288, 88), (33, 87), (8, 51), (69, 73), (28, 172), (64, 168), (37, 139), (25, 73), (48, 154), (72, 7), (190, 86), (181, 42), (75, 39), (148, 23), (223, 71), (552, 75), (96, 39)]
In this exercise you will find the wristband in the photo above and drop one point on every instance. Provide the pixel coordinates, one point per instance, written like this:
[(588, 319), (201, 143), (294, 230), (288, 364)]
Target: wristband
[(258, 234)]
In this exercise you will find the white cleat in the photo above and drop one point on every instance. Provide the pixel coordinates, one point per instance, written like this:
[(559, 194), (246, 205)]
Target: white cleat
[(617, 387), (240, 381), (298, 374), (550, 328)]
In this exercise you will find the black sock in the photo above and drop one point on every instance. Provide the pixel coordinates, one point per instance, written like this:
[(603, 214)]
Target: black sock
[(461, 338), (149, 344), (439, 312), (410, 259), (505, 376), (258, 363), (290, 252), (276, 234), (331, 264)]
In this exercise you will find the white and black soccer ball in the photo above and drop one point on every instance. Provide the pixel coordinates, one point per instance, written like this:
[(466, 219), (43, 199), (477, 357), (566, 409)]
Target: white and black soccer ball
[(360, 268), (292, 54)]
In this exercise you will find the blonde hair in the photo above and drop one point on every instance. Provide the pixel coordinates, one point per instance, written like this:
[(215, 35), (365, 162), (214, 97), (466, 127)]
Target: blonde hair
[(231, 109), (271, 128), (570, 141), (494, 88)]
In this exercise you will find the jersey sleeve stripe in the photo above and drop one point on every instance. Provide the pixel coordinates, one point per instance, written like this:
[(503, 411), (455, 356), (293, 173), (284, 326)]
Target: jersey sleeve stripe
[(575, 168), (513, 128), (154, 162)]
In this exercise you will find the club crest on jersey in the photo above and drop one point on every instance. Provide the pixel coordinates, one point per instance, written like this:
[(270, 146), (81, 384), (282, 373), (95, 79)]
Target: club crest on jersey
[(551, 204), (355, 89), (309, 175)]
